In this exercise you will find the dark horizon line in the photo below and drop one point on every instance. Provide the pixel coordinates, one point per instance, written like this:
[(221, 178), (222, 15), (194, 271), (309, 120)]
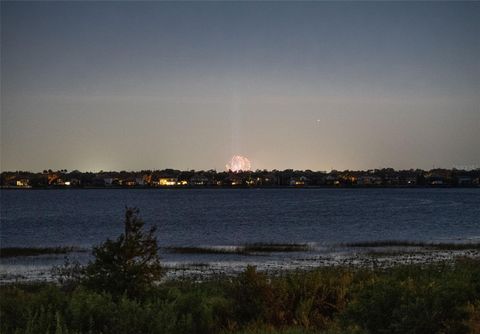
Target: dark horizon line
[(459, 169)]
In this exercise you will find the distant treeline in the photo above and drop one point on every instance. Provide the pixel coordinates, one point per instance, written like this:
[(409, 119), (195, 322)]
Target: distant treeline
[(260, 178)]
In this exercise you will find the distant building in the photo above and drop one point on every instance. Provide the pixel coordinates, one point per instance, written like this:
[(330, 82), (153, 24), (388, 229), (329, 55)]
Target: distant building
[(464, 181), (332, 179), (167, 181), (52, 178), (411, 181), (300, 181), (368, 180), (233, 180), (60, 182), (392, 180), (75, 182), (24, 183), (130, 182), (199, 181)]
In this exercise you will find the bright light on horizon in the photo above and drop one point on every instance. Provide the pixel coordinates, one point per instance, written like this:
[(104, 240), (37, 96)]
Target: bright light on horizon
[(239, 163)]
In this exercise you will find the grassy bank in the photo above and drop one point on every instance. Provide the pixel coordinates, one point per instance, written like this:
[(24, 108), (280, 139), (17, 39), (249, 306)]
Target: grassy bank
[(434, 298)]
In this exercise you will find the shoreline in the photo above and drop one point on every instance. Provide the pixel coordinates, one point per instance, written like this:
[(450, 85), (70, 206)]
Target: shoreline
[(38, 268), (334, 299), (248, 187)]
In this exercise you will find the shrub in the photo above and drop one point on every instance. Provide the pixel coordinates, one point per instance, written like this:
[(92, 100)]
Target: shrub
[(432, 300), (253, 296), (128, 265)]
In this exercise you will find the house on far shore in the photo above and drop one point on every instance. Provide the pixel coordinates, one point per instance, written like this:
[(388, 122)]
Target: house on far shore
[(167, 181), (368, 180), (129, 182), (108, 181), (74, 182), (332, 179), (464, 181), (23, 183), (411, 180), (199, 181), (298, 181)]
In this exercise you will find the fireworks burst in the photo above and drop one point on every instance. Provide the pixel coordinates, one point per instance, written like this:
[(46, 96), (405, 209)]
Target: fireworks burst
[(239, 163)]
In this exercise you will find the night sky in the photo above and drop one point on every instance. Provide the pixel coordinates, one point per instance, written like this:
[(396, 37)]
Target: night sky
[(187, 85)]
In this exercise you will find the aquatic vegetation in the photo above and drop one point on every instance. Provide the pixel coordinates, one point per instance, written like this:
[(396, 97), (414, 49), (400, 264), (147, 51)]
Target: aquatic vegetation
[(247, 249), (206, 250), (403, 243), (277, 247), (35, 251)]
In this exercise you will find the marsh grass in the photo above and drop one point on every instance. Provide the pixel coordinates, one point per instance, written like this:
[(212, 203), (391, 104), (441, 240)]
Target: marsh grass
[(247, 249), (402, 243), (205, 250), (35, 251), (277, 247)]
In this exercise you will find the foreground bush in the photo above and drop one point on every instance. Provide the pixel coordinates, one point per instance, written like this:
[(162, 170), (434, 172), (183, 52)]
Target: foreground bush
[(435, 299), (438, 298), (128, 265)]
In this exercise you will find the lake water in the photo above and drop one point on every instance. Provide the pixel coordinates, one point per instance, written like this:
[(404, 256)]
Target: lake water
[(224, 217)]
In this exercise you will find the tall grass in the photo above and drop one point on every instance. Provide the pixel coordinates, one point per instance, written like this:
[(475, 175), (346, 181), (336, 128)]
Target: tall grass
[(434, 298)]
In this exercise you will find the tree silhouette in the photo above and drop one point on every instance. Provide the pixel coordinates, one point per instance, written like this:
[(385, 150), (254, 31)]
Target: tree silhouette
[(128, 265)]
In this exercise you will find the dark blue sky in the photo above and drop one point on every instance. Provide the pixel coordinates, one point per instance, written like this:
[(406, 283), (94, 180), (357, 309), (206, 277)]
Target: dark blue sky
[(318, 85)]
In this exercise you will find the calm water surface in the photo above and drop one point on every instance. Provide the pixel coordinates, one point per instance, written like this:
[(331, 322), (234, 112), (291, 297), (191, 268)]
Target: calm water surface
[(228, 217), (205, 217)]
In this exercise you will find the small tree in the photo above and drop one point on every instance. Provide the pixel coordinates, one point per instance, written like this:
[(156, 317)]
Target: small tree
[(128, 265)]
